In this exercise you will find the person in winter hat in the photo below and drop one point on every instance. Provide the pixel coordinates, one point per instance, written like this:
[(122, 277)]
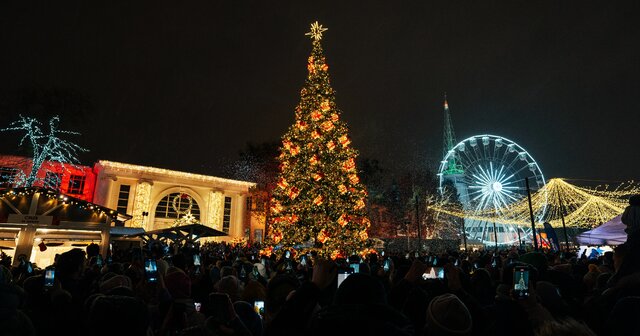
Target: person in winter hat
[(447, 315)]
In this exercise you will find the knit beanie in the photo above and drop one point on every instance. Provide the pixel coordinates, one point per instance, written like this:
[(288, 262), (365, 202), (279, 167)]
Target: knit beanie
[(447, 315), (115, 282), (178, 283)]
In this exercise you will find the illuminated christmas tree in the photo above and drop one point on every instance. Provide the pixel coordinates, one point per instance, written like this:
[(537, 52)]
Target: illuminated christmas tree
[(319, 201)]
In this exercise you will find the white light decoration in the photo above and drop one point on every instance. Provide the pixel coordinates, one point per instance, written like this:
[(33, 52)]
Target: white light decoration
[(186, 219), (45, 147), (141, 204), (163, 173), (493, 188), (214, 209)]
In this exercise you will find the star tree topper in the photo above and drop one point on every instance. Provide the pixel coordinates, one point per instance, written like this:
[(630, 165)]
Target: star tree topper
[(316, 31)]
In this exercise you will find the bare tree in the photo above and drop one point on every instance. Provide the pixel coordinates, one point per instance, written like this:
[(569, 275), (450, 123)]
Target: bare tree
[(45, 146)]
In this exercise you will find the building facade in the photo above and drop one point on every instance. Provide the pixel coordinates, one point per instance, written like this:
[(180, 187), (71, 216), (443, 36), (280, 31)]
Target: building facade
[(159, 198), (73, 180), (72, 205)]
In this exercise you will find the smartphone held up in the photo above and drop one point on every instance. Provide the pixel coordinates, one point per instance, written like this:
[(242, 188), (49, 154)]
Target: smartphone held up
[(521, 282), (433, 273), (151, 270), (49, 277), (258, 306)]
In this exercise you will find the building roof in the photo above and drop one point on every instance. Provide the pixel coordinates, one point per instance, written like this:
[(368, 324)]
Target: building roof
[(161, 172), (60, 198)]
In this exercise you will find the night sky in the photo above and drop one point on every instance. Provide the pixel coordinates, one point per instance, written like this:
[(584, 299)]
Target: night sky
[(185, 85)]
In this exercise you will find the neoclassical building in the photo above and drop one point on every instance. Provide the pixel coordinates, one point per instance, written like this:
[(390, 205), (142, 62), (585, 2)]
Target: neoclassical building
[(158, 198), (72, 206)]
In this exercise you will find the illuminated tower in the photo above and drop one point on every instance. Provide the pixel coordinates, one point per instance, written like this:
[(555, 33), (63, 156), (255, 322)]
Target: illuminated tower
[(449, 141), (454, 171)]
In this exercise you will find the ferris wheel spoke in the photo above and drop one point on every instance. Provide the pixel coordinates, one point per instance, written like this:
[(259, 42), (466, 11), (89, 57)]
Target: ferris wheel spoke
[(479, 193), (483, 201), (521, 169), (510, 194), (500, 175), (501, 153), (482, 182), (512, 164), (486, 177), (508, 184)]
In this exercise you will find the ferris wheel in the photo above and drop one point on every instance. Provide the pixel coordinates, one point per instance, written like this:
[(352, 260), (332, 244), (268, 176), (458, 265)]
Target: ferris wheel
[(490, 173)]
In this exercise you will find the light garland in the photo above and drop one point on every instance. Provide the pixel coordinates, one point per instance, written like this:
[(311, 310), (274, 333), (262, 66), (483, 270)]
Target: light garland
[(214, 209), (125, 167), (582, 207), (141, 204), (45, 147), (58, 198), (176, 208)]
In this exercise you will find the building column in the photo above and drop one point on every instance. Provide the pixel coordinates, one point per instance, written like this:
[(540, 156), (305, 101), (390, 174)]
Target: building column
[(240, 214), (141, 204), (25, 243), (105, 237), (215, 208)]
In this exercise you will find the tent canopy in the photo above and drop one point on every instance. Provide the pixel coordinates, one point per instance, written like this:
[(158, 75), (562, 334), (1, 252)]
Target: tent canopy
[(609, 233), (179, 234)]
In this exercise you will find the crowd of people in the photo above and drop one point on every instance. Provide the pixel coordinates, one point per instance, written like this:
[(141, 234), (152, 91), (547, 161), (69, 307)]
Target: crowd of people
[(222, 289)]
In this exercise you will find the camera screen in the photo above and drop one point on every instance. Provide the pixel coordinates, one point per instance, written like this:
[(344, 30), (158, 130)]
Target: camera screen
[(342, 277), (434, 273), (521, 283), (356, 267), (258, 306), (196, 260), (49, 276), (151, 270)]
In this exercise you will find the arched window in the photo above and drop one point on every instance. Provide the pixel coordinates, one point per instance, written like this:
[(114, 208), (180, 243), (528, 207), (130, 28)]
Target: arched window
[(176, 205)]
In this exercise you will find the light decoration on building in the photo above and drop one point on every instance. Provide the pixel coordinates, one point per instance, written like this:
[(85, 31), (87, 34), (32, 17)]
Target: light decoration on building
[(45, 147), (141, 204), (214, 209), (185, 217), (582, 207), (58, 199), (176, 203), (319, 202), (164, 173)]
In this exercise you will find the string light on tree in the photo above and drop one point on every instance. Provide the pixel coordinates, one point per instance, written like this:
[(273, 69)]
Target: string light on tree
[(45, 146), (319, 202)]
